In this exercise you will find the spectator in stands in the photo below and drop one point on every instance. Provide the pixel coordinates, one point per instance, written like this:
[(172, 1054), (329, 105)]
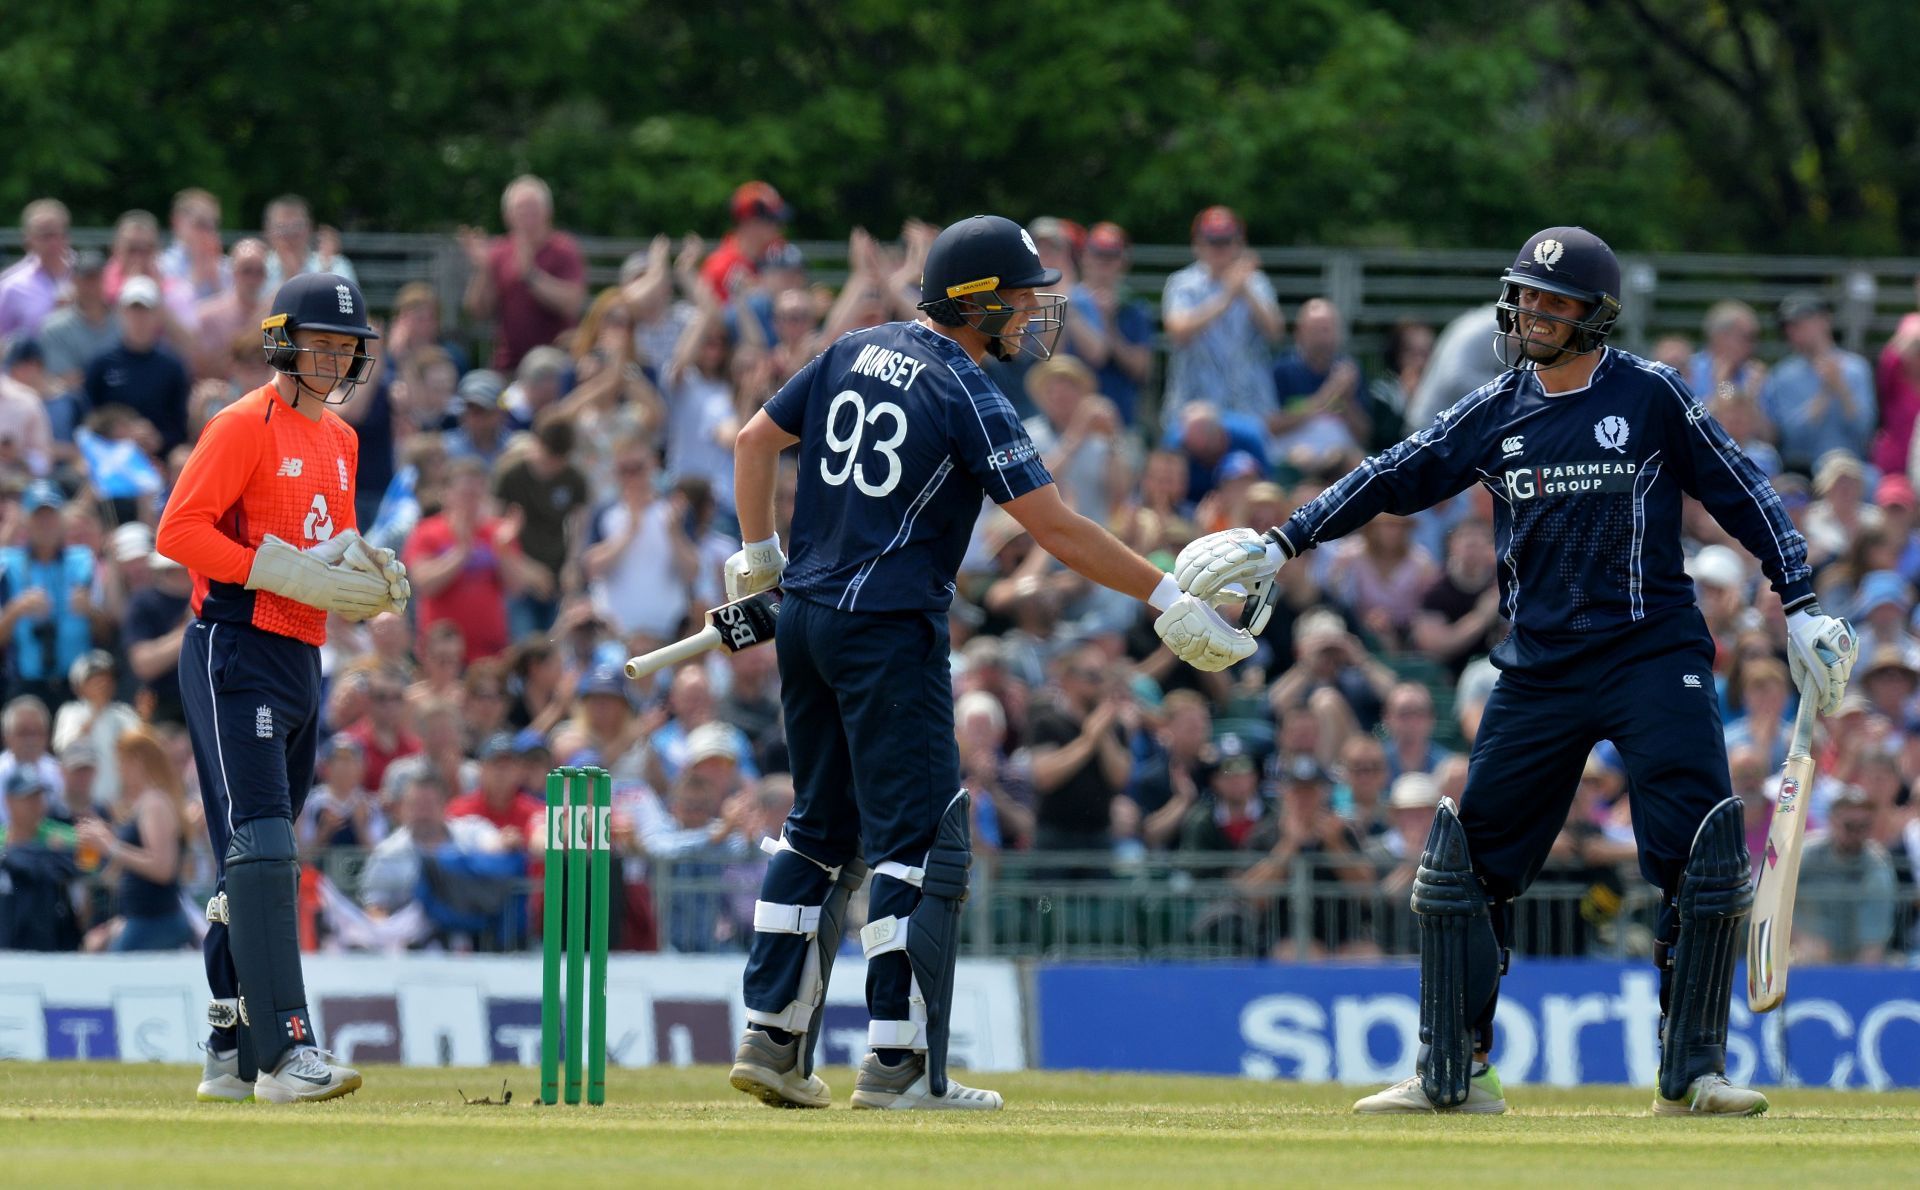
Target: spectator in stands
[(1889, 680), (1460, 364), (1740, 416), (1078, 434), (1409, 723), (1305, 829), (1897, 378), (606, 726), (483, 699), (1379, 575), (1722, 587), (551, 494), (195, 259), (1078, 754), (136, 253), (752, 704), (464, 564), (36, 912), (692, 706), (417, 327), (383, 733), (26, 434), (1226, 817), (95, 715), (1726, 367), (1409, 346), (1111, 331), (497, 797), (30, 289), (1762, 719), (1321, 419), (1329, 658), (531, 281), (701, 415), (1360, 797), (1819, 397), (639, 561), (1166, 788), (1002, 795), (80, 331), (233, 311), (391, 878), (288, 222), (143, 847), (341, 811), (1205, 436), (1222, 323), (1395, 855), (1847, 885), (1751, 774), (1880, 612), (485, 423), (46, 589), (759, 220), (142, 373), (1459, 616), (536, 385)]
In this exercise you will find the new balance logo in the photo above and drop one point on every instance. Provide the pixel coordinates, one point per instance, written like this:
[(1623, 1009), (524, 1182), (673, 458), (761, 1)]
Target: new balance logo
[(1690, 681), (263, 721), (291, 468), (1510, 446)]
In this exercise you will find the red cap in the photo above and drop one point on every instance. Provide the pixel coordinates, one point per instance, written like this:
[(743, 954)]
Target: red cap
[(1107, 238), (757, 200), (1894, 491), (1218, 223)]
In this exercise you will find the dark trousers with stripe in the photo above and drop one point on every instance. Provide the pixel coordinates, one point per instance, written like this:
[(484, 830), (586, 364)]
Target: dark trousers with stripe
[(868, 702), (252, 702), (1650, 690)]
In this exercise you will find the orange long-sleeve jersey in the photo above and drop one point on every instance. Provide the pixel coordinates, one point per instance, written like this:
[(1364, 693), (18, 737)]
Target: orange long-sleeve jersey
[(259, 468)]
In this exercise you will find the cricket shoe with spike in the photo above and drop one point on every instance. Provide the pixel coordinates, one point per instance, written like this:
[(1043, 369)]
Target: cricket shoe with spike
[(306, 1075), (769, 1071), (1484, 1097), (220, 1080), (1712, 1095), (906, 1088)]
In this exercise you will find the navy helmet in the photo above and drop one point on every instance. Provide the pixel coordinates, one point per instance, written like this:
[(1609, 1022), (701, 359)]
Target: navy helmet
[(1572, 262), (319, 302), (968, 267)]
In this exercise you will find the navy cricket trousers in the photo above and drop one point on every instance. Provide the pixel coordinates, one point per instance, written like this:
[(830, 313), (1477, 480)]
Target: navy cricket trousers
[(1650, 690), (868, 702), (252, 702)]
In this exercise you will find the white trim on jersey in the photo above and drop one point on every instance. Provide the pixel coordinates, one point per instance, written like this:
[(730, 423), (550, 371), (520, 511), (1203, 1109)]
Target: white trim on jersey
[(1513, 589), (1649, 471), (851, 596)]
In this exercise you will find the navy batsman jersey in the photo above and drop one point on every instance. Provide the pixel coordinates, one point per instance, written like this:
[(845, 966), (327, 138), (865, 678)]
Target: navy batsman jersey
[(1587, 489), (901, 434)]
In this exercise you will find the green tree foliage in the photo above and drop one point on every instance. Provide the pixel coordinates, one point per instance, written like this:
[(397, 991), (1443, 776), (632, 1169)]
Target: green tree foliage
[(1671, 123)]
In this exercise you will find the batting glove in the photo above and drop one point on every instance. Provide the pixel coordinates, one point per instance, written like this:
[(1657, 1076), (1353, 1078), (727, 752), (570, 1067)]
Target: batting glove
[(758, 566), (1821, 650), (305, 576), (1199, 636), (1211, 564)]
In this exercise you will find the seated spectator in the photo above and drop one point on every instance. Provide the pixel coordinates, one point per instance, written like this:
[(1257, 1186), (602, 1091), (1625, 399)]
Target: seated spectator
[(1459, 615), (483, 699), (288, 222), (1225, 817), (1839, 512), (700, 835), (78, 767), (1880, 613), (1329, 658), (1078, 435), (1740, 416), (46, 590), (1204, 436), (143, 847), (391, 878), (37, 911), (1762, 721), (1819, 397), (1395, 854), (30, 289), (1380, 576), (1077, 754), (383, 733), (95, 715), (536, 698), (1002, 797), (1306, 830), (1847, 884), (531, 282), (752, 704), (341, 811), (442, 750), (232, 311), (1321, 419), (693, 708), (1750, 773), (498, 798), (1166, 788), (75, 335), (1889, 680), (484, 423), (416, 329), (26, 725), (1470, 696), (1361, 795), (142, 373), (605, 726), (26, 433), (151, 630)]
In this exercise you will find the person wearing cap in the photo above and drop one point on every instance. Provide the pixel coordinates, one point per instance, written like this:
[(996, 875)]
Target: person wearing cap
[(1304, 829), (1889, 680), (141, 372), (1881, 606), (1847, 888), (46, 592), (537, 384), (484, 423), (36, 911), (341, 811), (30, 289), (1231, 805), (1590, 452), (1222, 323), (1819, 397), (83, 329), (1110, 330), (26, 433), (1318, 387), (94, 714), (531, 282), (759, 217), (497, 796), (151, 631), (1395, 856)]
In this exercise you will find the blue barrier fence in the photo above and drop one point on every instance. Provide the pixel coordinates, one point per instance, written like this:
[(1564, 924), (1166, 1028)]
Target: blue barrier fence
[(1562, 1022)]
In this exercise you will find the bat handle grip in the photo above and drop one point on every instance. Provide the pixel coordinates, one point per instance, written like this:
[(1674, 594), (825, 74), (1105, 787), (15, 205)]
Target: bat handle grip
[(673, 654)]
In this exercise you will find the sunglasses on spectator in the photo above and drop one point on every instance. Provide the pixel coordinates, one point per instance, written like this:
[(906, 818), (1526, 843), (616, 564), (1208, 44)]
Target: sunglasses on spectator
[(631, 466)]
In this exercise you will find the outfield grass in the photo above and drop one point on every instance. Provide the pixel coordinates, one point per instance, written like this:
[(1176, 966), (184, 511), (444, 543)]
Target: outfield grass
[(121, 1125)]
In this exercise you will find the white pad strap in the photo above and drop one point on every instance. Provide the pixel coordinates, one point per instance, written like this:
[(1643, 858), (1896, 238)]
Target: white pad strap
[(797, 1016), (771, 917), (897, 1035), (883, 935), (776, 846), (900, 872)]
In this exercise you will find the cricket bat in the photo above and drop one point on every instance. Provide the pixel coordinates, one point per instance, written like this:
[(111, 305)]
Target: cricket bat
[(1770, 928), (734, 626)]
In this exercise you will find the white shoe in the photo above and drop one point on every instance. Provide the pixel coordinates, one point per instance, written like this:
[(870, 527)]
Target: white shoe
[(1712, 1095), (770, 1072), (905, 1088), (220, 1080), (1484, 1097), (305, 1076)]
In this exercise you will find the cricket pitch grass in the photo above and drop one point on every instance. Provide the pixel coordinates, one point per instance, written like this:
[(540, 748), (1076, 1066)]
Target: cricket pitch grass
[(107, 1124)]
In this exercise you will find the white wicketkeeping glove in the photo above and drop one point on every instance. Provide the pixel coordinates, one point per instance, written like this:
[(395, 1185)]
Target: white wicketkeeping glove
[(1230, 557), (305, 576), (1199, 636), (757, 566), (1821, 650), (378, 560)]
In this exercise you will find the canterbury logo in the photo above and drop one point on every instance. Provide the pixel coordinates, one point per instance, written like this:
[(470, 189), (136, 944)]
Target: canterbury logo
[(1690, 681), (291, 468), (1510, 446)]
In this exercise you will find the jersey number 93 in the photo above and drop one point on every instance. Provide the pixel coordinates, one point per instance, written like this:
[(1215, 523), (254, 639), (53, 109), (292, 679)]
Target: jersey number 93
[(849, 445)]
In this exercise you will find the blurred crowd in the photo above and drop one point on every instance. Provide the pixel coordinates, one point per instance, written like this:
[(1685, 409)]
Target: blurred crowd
[(554, 465)]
